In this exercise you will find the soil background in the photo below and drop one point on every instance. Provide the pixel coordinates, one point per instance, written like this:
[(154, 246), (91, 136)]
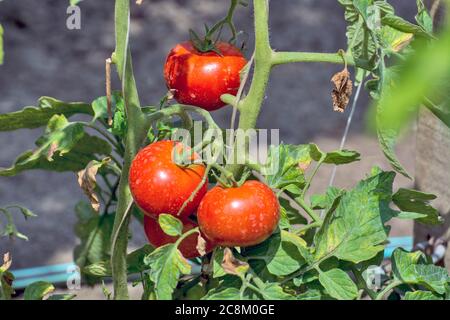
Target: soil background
[(44, 58)]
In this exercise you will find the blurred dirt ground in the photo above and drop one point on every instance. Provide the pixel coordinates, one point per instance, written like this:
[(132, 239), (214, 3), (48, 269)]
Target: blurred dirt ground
[(43, 57)]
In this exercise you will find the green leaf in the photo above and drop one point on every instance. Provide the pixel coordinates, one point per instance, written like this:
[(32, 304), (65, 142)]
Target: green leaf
[(34, 117), (311, 294), (135, 263), (225, 294), (84, 151), (282, 253), (327, 201), (417, 202), (355, 231), (289, 215), (284, 166), (166, 265), (217, 263), (423, 18), (9, 229), (273, 291), (421, 295), (170, 225), (334, 157), (421, 78), (411, 268), (38, 290), (338, 284), (75, 2), (1, 45), (62, 297), (94, 231), (362, 19), (403, 25)]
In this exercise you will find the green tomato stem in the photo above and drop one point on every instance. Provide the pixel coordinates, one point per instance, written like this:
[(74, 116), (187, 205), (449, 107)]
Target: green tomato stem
[(388, 288)]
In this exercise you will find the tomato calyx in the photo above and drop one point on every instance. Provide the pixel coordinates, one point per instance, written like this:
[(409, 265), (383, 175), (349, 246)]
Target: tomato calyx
[(227, 179), (205, 44)]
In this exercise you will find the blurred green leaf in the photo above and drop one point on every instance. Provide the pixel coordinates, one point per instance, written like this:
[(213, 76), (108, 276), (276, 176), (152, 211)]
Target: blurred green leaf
[(34, 117), (423, 18), (334, 157), (417, 202), (61, 297), (419, 80), (421, 295), (9, 229), (405, 26), (94, 232), (135, 263), (166, 265), (225, 294), (38, 290)]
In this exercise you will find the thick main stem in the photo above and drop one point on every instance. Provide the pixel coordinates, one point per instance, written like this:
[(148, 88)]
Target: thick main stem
[(250, 107), (135, 134)]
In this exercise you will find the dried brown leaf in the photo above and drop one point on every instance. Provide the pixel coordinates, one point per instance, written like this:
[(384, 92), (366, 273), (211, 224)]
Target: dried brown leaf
[(88, 181), (231, 265), (342, 91), (51, 151), (201, 245), (7, 261)]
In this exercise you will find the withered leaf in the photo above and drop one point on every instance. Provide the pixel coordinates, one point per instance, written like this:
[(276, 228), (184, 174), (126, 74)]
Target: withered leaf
[(201, 245), (7, 261), (342, 91), (231, 265), (87, 181)]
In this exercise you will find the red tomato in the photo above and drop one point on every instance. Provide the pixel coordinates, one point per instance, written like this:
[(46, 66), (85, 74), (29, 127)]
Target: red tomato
[(242, 216), (199, 79), (159, 185), (188, 246)]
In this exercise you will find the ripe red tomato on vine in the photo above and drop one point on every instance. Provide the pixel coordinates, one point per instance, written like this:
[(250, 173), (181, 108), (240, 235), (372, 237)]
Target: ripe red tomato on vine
[(200, 78), (159, 185), (188, 246), (239, 216)]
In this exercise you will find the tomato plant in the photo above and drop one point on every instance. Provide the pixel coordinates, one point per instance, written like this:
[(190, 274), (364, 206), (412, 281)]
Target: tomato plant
[(259, 232)]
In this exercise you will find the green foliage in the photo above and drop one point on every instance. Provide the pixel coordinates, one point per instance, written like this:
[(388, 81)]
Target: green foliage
[(35, 117), (338, 284), (412, 268), (38, 290), (335, 157), (166, 265), (94, 231), (170, 225), (355, 231), (135, 264), (9, 229), (418, 202), (285, 161)]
